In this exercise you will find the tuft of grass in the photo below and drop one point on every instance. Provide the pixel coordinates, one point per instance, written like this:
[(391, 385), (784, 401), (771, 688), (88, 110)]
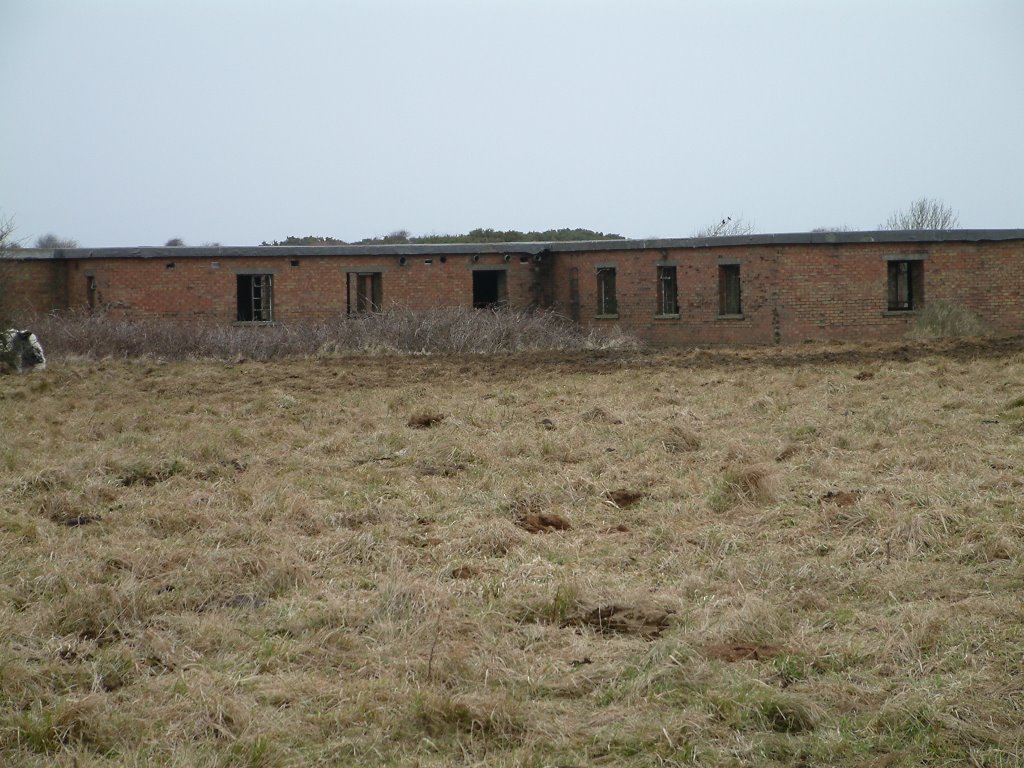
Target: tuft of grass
[(946, 320), (742, 486)]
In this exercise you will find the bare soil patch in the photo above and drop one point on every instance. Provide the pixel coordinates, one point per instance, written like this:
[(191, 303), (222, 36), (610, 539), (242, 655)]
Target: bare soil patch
[(624, 498), (543, 522), (425, 420), (646, 621), (733, 652)]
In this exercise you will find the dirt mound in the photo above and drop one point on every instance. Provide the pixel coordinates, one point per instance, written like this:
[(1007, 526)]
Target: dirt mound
[(466, 571), (840, 498), (742, 651), (646, 621), (681, 440), (742, 485), (598, 415), (624, 497), (425, 420), (543, 522), (77, 520), (443, 470)]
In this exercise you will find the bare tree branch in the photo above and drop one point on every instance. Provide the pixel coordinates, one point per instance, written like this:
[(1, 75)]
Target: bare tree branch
[(923, 213), (51, 240), (7, 228), (726, 227), (837, 228)]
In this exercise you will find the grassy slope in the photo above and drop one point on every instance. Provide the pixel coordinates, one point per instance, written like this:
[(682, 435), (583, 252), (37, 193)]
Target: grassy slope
[(270, 580)]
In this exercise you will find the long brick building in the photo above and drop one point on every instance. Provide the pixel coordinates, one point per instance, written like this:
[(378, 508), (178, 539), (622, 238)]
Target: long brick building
[(754, 289)]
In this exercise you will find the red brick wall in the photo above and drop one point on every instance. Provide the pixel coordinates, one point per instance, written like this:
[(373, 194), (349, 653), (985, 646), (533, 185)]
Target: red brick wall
[(29, 287), (315, 289), (697, 279), (790, 293)]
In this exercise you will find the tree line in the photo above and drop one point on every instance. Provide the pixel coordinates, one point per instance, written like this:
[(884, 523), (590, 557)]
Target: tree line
[(923, 213), (480, 235)]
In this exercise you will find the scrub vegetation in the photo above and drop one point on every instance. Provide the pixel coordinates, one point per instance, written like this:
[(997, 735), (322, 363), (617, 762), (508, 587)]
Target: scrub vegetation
[(782, 557), (480, 235), (430, 332)]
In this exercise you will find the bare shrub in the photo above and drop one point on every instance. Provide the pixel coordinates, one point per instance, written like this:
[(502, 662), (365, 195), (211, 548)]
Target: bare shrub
[(436, 331), (946, 320)]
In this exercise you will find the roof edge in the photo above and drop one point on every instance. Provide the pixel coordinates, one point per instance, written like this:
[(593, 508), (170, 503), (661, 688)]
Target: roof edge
[(528, 248)]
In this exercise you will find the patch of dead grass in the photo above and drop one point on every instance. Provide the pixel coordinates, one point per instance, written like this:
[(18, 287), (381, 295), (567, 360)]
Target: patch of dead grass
[(763, 560)]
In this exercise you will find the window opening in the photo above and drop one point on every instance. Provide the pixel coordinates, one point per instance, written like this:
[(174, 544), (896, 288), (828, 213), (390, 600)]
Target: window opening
[(365, 292), (668, 295), (606, 301), (729, 292), (91, 291), (905, 285), (489, 288), (255, 298)]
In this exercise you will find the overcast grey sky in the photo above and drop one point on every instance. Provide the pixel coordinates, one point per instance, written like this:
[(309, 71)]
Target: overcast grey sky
[(128, 122)]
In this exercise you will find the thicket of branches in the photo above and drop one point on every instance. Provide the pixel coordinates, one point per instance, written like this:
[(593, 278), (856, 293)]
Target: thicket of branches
[(923, 213), (727, 227), (436, 331)]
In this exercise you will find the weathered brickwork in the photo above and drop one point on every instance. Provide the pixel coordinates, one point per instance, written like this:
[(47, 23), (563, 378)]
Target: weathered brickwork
[(791, 287), (30, 286), (793, 293)]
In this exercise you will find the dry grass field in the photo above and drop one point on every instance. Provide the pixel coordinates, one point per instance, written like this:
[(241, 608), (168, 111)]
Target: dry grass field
[(806, 557)]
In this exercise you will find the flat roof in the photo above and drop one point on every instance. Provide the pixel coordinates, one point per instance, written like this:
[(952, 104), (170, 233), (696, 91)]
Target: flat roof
[(529, 248)]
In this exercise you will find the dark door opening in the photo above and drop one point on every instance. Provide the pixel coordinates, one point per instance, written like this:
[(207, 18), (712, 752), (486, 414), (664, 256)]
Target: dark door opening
[(488, 288)]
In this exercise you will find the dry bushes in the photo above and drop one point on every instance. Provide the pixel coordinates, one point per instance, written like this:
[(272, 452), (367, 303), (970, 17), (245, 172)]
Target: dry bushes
[(946, 320), (435, 331)]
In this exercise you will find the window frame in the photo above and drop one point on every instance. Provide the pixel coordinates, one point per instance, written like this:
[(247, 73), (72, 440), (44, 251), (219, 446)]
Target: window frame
[(730, 289), (668, 291), (264, 280), (607, 296), (359, 300), (904, 284)]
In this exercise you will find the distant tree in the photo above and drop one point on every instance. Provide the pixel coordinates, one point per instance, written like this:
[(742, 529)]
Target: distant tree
[(493, 236), (51, 240), (727, 227), (403, 236), (838, 228), (7, 241), (923, 213), (307, 240), (174, 242)]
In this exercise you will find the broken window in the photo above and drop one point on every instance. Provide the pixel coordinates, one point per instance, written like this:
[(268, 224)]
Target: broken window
[(906, 285), (91, 291), (668, 299), (255, 298), (729, 298), (606, 301), (365, 292), (489, 288)]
